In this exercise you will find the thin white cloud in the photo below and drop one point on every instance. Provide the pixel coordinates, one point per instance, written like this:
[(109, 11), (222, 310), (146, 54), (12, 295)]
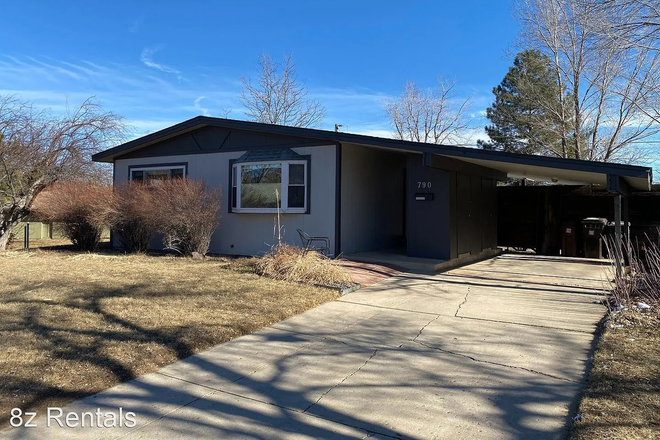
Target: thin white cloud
[(479, 114), (471, 135), (147, 58), (147, 100), (150, 101), (142, 127), (197, 104), (57, 69)]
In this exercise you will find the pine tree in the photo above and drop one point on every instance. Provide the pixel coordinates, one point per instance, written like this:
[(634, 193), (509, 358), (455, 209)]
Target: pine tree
[(530, 113)]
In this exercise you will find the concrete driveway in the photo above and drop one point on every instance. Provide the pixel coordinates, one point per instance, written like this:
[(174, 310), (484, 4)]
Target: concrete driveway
[(497, 349)]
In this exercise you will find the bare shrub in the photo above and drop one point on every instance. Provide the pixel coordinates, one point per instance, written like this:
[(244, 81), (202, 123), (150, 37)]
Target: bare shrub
[(135, 216), (81, 208), (291, 263), (188, 212), (641, 281)]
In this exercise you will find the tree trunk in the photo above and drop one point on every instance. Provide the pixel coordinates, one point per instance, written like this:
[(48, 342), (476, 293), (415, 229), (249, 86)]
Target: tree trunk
[(4, 240), (6, 229), (17, 211), (577, 130)]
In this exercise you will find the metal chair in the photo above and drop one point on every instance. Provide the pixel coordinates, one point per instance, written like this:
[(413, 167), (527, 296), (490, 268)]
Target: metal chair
[(308, 243)]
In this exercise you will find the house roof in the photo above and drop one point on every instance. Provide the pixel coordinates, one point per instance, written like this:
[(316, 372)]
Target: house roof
[(515, 165)]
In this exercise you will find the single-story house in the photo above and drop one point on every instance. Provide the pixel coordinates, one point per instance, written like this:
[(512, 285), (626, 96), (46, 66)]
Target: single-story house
[(365, 193)]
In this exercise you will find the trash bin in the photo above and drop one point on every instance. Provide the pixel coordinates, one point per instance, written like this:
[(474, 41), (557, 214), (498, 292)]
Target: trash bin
[(568, 239), (593, 228)]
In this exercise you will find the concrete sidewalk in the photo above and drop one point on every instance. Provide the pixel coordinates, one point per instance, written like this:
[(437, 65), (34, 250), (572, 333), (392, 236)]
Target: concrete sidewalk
[(497, 349)]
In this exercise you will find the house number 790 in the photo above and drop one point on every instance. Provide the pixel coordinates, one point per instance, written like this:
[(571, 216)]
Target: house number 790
[(423, 184)]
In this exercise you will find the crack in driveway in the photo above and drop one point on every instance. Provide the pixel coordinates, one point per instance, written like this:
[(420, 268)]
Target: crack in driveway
[(453, 353), (464, 301), (419, 333), (344, 379)]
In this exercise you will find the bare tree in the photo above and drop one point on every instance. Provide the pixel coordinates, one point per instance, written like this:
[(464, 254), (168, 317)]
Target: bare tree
[(608, 82), (38, 149), (428, 115), (635, 24), (277, 97)]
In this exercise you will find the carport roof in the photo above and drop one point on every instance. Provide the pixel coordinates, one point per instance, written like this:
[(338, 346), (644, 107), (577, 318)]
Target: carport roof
[(569, 171)]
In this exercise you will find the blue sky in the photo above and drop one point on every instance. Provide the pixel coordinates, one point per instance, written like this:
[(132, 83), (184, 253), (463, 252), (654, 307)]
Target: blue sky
[(161, 62)]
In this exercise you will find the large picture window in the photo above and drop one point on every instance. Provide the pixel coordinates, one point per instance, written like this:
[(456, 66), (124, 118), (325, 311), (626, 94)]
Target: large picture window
[(254, 186)]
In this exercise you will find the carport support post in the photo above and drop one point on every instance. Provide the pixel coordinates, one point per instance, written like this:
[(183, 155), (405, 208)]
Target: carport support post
[(626, 220), (618, 242)]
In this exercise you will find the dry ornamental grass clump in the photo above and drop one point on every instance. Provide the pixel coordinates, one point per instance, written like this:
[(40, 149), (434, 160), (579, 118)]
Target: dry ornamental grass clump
[(291, 263), (641, 282)]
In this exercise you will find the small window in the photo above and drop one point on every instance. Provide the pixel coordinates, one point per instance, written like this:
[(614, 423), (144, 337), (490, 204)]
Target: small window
[(254, 187), (137, 176), (296, 194), (155, 175)]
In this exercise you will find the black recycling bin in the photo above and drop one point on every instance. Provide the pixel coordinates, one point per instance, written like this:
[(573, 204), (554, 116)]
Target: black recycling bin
[(593, 228)]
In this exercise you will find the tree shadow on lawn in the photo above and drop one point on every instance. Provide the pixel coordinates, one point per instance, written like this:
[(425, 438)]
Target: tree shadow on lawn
[(66, 349)]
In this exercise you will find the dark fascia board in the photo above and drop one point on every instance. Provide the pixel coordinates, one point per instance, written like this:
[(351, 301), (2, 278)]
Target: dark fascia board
[(150, 139), (335, 137)]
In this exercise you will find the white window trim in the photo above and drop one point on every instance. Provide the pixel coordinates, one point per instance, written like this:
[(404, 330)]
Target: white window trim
[(151, 168), (284, 188)]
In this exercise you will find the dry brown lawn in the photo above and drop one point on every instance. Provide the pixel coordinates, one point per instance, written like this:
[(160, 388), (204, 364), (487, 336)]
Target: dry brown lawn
[(73, 324), (622, 399)]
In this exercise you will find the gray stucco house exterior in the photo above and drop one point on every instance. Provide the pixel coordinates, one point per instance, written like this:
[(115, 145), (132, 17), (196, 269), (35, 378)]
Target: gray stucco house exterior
[(364, 193)]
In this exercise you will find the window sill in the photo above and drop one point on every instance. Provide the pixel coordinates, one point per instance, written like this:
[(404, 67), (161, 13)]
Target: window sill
[(268, 211)]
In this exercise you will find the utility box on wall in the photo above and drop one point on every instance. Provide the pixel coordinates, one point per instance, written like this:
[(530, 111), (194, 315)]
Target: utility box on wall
[(423, 197)]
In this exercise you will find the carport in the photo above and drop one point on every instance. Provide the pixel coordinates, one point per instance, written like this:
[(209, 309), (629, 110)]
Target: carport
[(450, 201), (618, 181)]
